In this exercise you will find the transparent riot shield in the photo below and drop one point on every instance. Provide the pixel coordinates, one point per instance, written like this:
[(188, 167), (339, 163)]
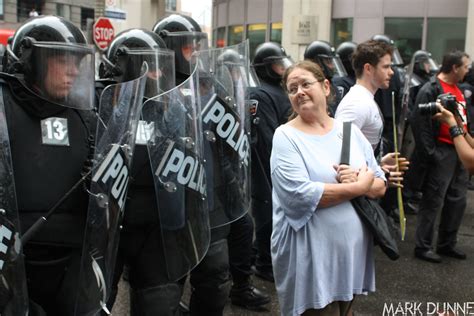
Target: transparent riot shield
[(421, 67), (13, 291), (176, 156), (405, 136), (119, 112), (223, 83)]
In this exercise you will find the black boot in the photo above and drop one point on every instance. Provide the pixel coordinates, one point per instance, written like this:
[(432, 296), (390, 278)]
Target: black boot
[(247, 296)]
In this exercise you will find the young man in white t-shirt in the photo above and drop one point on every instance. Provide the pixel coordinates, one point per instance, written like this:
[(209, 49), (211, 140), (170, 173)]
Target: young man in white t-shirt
[(372, 65)]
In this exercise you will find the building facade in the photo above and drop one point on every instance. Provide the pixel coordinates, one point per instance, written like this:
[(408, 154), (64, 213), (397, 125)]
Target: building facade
[(236, 20), (434, 25), (14, 12), (139, 13)]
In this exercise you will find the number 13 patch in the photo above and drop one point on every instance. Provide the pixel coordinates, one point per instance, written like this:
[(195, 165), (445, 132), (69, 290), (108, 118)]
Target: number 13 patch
[(54, 131)]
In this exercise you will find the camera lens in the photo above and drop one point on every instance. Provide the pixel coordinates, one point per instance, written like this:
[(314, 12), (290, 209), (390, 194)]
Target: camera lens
[(428, 108)]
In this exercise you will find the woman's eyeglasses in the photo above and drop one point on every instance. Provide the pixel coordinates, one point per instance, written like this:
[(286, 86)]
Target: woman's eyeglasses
[(305, 86)]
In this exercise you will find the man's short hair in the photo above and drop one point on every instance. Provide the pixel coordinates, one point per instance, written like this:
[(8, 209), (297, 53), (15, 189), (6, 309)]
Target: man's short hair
[(452, 58), (369, 52)]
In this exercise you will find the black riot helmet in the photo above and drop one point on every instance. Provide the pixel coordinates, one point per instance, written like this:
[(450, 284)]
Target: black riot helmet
[(183, 35), (50, 56), (423, 64), (128, 51), (269, 56), (396, 57), (322, 53), (345, 51), (236, 62)]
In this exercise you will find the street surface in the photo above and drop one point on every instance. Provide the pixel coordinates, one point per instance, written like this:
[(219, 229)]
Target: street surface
[(407, 286)]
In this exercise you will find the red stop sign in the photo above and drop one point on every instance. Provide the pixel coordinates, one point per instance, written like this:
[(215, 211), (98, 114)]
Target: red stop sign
[(103, 33)]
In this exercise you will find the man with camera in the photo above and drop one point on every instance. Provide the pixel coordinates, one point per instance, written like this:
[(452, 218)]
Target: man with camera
[(445, 184)]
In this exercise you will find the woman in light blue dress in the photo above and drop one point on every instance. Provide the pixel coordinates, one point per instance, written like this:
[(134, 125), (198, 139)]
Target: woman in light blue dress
[(322, 254)]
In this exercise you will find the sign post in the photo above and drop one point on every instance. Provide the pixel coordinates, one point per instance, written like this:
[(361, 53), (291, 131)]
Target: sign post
[(103, 33)]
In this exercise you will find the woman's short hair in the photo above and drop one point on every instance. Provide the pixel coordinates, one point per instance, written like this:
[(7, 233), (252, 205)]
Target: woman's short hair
[(307, 65)]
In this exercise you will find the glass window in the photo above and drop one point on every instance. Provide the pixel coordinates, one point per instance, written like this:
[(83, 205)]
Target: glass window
[(86, 14), (220, 38), (406, 33), (275, 34), (256, 36), (445, 34), (170, 5), (235, 34), (341, 31), (1, 9), (23, 9), (63, 10)]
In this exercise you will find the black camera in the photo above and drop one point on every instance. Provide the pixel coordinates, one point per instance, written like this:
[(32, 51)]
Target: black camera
[(448, 101)]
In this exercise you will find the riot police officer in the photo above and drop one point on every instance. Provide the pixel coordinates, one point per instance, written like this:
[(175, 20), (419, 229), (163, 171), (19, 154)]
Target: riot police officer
[(270, 62), (210, 280), (182, 34), (422, 67), (323, 54), (48, 94), (240, 239), (142, 239), (344, 83)]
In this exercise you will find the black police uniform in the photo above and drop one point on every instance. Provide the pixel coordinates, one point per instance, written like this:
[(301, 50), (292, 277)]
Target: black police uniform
[(210, 279), (342, 86), (383, 97), (414, 176), (344, 83), (43, 174), (273, 110), (141, 246), (141, 240)]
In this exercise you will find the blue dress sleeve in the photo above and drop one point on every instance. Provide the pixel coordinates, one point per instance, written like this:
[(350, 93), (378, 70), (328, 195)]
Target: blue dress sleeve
[(369, 154), (293, 191)]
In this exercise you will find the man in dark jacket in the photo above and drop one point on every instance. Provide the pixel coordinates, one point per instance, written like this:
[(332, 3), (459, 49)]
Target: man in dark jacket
[(446, 179)]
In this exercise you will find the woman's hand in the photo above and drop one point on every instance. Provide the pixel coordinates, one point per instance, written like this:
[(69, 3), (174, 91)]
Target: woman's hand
[(345, 174), (365, 179)]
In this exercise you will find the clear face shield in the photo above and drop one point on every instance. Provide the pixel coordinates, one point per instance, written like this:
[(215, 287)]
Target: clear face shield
[(430, 66), (185, 45), (335, 66), (238, 71), (397, 58), (160, 75), (253, 78), (278, 64), (62, 74)]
